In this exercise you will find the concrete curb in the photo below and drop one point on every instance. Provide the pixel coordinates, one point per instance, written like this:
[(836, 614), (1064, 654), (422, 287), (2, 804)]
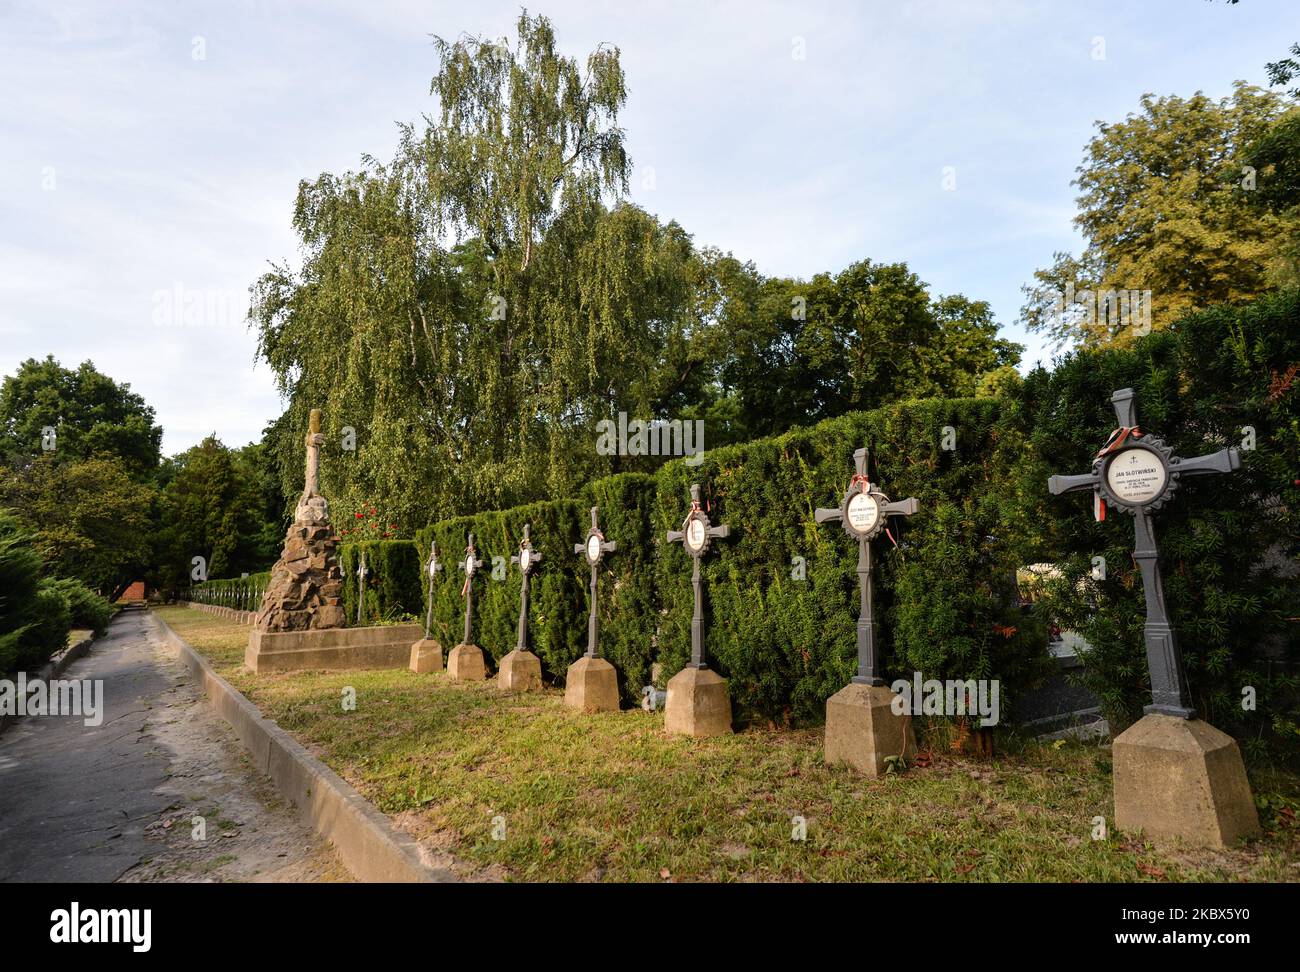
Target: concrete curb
[(365, 840)]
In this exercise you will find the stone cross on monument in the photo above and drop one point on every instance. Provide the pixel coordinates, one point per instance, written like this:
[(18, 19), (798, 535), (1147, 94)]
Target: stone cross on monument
[(521, 670), (362, 573), (698, 703), (863, 728), (1174, 775), (312, 506), (591, 683), (466, 660), (426, 654)]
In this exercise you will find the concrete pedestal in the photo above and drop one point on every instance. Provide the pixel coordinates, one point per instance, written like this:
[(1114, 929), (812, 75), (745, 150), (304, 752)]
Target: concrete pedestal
[(591, 685), (332, 649), (698, 704), (426, 656), (520, 671), (465, 663), (1182, 778), (862, 728)]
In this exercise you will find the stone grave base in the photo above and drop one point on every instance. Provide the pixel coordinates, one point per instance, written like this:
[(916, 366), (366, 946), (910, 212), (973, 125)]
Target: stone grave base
[(426, 656), (698, 704), (862, 728), (465, 663), (520, 671), (330, 649), (1182, 778), (591, 685)]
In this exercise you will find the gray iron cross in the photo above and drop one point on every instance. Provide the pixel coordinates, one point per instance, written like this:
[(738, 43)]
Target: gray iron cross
[(1138, 473), (434, 566), (863, 513), (695, 534), (470, 564), (594, 547), (527, 559), (362, 572)]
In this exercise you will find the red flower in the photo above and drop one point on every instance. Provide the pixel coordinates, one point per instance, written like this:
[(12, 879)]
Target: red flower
[(360, 516)]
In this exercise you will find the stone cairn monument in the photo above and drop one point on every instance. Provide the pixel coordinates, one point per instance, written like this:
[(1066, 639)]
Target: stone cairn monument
[(301, 625), (306, 588)]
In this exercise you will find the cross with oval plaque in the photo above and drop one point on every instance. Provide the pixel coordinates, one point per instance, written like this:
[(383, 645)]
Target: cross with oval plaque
[(863, 512), (695, 534), (1137, 473)]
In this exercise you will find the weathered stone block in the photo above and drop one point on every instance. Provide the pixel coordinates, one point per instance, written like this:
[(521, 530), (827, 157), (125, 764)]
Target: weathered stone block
[(698, 704), (465, 663), (520, 671), (591, 685), (862, 728), (1182, 778), (426, 656)]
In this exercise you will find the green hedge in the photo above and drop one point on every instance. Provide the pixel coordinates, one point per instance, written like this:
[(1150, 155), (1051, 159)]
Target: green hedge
[(35, 612), (787, 643), (557, 628), (393, 591)]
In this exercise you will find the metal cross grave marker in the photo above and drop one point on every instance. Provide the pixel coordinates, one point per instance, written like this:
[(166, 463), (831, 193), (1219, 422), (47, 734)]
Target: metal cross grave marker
[(362, 572), (470, 564), (863, 513), (695, 534), (594, 548), (432, 569), (1138, 473), (527, 559)]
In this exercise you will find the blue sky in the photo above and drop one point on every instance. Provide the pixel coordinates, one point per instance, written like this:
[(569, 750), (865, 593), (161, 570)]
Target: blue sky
[(150, 151)]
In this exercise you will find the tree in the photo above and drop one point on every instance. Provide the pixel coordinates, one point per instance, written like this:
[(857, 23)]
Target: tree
[(1164, 209), (89, 519), (90, 415), (1282, 71), (217, 505), (475, 310), (794, 352)]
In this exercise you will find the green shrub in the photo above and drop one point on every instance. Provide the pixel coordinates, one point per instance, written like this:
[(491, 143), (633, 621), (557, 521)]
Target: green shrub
[(35, 617), (88, 609)]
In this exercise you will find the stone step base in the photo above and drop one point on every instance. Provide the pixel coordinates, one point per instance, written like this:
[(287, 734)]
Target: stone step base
[(332, 649)]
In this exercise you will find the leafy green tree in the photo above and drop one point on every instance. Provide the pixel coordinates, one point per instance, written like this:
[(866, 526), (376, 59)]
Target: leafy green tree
[(1164, 208), (1283, 71), (485, 364), (90, 413), (89, 519), (216, 506)]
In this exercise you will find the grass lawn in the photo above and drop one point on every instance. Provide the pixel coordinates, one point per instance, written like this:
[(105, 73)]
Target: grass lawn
[(612, 797)]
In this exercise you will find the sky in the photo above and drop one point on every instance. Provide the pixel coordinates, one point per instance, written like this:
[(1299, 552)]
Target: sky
[(150, 152)]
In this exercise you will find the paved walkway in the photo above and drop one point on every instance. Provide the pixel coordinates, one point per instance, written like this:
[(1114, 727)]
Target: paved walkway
[(161, 790)]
